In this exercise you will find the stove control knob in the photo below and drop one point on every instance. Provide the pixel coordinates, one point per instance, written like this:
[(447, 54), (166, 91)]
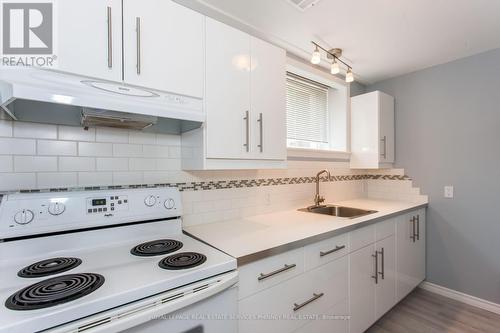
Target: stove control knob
[(169, 203), (150, 200), (56, 208), (24, 216)]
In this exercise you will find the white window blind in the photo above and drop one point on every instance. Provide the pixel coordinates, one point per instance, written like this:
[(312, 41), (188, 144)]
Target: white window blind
[(307, 112)]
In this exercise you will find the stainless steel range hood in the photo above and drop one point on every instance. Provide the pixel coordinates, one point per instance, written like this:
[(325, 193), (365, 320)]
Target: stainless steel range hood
[(37, 95)]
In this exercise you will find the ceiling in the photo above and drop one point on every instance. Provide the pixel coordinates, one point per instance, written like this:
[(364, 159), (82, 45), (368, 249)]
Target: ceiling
[(380, 38)]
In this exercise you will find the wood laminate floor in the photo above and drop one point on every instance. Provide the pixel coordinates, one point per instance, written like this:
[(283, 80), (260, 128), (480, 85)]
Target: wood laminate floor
[(426, 312)]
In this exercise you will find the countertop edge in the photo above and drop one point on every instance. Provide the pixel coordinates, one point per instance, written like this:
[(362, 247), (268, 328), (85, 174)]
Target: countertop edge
[(309, 240)]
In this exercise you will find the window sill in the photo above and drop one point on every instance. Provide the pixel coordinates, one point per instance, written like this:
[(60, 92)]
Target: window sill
[(306, 154)]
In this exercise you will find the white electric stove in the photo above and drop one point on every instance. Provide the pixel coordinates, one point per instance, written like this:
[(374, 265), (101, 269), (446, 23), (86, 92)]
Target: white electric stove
[(109, 261)]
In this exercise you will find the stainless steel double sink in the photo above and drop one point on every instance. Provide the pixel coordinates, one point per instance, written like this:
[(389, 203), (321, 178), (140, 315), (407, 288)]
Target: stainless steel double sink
[(339, 211)]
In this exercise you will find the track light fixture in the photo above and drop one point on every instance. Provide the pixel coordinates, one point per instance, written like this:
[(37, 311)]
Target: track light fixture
[(316, 56), (333, 54)]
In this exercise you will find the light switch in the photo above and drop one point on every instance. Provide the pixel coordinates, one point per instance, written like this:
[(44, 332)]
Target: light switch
[(448, 191)]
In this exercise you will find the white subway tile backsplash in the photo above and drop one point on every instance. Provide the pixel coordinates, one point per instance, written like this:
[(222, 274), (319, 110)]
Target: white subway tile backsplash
[(34, 130), (76, 164), (155, 151), (95, 149), (113, 135), (6, 164), (156, 177), (73, 133), (168, 164), (144, 164), (56, 148), (57, 179), (35, 163), (13, 146), (95, 178), (168, 140), (112, 164), (127, 150), (17, 181), (174, 152), (124, 178), (142, 138), (5, 128)]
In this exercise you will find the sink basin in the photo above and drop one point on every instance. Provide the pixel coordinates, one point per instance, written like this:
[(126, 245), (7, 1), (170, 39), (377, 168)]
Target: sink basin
[(339, 211)]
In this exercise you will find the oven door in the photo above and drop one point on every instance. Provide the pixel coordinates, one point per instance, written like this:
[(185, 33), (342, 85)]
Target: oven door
[(208, 306)]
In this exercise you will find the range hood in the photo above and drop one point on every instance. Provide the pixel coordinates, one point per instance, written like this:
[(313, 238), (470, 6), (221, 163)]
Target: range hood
[(37, 95)]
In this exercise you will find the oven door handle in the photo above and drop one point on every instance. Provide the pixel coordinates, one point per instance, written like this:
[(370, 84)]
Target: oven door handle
[(155, 307)]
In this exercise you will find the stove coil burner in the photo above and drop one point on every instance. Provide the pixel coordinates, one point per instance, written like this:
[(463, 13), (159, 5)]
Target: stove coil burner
[(182, 260), (54, 291), (156, 247), (49, 267)]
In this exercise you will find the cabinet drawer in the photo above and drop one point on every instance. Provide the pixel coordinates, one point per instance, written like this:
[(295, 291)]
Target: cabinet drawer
[(385, 229), (325, 251), (281, 308), (337, 321), (268, 272), (362, 237)]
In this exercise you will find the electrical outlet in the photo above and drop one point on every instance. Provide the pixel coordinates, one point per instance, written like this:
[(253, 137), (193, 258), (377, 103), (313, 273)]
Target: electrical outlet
[(448, 191)]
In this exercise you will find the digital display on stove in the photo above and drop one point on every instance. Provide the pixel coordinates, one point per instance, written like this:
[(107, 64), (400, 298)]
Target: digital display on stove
[(98, 202)]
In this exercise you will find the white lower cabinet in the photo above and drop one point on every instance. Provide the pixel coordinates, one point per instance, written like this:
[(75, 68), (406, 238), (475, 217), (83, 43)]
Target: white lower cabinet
[(297, 301), (373, 277), (338, 285), (410, 234)]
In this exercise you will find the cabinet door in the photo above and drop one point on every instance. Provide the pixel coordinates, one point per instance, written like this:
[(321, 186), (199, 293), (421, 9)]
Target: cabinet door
[(385, 289), (410, 264), (227, 98), (386, 105), (268, 100), (90, 38), (362, 289), (163, 46)]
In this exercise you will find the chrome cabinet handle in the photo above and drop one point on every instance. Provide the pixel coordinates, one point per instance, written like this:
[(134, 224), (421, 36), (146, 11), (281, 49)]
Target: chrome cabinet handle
[(261, 124), (337, 248), (375, 276), (110, 39), (312, 299), (413, 236), (382, 272), (247, 128), (418, 227), (263, 276), (384, 140), (138, 41)]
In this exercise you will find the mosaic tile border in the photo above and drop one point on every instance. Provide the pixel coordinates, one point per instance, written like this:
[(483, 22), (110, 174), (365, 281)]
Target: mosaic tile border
[(228, 184)]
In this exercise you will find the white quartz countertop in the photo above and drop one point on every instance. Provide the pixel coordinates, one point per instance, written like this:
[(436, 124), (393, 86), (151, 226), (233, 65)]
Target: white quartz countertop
[(256, 237)]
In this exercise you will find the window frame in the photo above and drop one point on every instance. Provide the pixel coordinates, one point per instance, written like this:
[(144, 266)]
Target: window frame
[(323, 76)]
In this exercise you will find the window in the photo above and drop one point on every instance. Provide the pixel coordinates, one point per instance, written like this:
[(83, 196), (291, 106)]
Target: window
[(308, 117)]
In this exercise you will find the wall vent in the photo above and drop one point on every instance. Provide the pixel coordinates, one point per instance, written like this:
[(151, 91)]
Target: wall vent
[(303, 5)]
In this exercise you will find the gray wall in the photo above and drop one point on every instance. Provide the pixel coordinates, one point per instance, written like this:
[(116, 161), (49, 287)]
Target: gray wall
[(357, 89), (448, 133)]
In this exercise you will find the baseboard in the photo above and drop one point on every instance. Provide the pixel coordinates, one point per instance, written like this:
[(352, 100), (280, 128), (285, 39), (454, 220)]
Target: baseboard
[(464, 298)]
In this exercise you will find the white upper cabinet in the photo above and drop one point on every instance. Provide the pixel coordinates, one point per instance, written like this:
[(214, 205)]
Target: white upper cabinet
[(90, 38), (268, 100), (245, 104), (227, 98), (163, 46), (372, 131)]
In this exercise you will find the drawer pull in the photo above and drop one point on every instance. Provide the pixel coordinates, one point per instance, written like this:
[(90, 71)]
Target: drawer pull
[(312, 299), (285, 268), (418, 227), (382, 272), (337, 248)]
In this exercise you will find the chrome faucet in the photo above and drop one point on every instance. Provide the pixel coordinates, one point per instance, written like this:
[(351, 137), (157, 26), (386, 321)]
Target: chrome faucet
[(318, 199)]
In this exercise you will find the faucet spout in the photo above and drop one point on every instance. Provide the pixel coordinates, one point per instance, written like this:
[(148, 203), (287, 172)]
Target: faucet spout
[(318, 199)]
